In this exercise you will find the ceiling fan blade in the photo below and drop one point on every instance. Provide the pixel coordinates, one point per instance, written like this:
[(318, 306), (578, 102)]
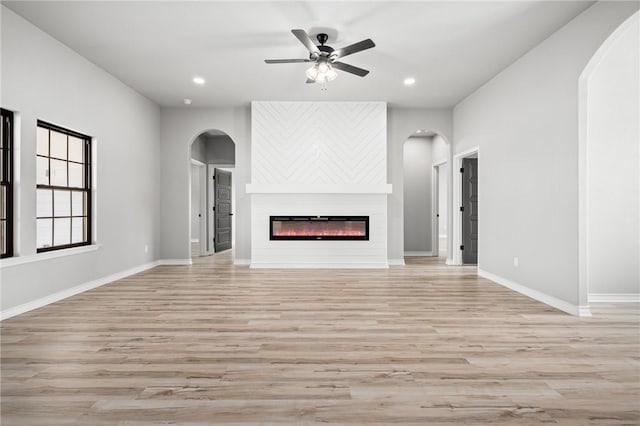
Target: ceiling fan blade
[(285, 61), (355, 48), (306, 40), (310, 81), (350, 68)]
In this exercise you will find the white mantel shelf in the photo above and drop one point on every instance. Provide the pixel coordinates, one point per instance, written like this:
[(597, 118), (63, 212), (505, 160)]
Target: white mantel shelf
[(266, 188)]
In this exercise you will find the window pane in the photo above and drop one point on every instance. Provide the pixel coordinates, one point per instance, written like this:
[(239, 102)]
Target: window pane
[(3, 236), (58, 145), (61, 231), (58, 173), (61, 203), (76, 175), (77, 204), (78, 234), (42, 173), (43, 141), (76, 149), (44, 203), (44, 227), (3, 202)]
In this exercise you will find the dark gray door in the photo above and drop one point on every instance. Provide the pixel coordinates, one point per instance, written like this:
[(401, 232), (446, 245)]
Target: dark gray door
[(470, 211), (222, 210)]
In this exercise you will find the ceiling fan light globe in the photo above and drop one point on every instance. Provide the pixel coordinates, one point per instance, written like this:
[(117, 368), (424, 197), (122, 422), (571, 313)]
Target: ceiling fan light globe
[(331, 75), (312, 73), (324, 67)]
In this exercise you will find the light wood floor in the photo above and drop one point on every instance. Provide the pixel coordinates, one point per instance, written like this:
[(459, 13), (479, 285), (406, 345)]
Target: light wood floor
[(212, 343)]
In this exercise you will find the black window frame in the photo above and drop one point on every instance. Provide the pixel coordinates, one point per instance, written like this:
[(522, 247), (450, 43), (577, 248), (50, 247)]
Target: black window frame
[(6, 179), (87, 189)]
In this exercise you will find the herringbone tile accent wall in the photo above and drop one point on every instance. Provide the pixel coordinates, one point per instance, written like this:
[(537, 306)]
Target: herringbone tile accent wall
[(319, 142)]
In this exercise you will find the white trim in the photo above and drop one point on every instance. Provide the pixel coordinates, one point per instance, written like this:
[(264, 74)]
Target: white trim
[(197, 162), (266, 188), (195, 240), (581, 311), (174, 262), (396, 262), (55, 297), (242, 261), (268, 265), (418, 253), (20, 260), (614, 298), (435, 206)]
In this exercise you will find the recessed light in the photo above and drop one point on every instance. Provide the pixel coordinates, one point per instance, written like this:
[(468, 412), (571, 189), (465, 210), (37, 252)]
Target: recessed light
[(419, 131), (187, 101), (198, 80), (409, 81)]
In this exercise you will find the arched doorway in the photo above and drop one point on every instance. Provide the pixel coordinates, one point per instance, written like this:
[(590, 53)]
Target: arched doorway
[(426, 194), (212, 201), (609, 180)]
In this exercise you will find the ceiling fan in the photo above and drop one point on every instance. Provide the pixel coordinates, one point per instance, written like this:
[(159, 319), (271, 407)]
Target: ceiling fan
[(325, 58)]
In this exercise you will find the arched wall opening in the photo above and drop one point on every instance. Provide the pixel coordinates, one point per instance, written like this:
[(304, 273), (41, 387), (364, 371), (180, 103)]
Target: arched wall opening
[(609, 180), (426, 194), (210, 152)]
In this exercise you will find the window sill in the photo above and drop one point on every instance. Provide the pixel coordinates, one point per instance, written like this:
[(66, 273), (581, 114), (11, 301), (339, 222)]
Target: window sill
[(19, 260)]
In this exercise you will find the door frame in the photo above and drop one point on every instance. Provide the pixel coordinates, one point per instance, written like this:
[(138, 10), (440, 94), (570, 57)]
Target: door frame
[(457, 202), (435, 207), (202, 234)]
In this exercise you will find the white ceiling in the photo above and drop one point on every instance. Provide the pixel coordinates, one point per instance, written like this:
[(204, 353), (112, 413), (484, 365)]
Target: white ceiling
[(451, 48)]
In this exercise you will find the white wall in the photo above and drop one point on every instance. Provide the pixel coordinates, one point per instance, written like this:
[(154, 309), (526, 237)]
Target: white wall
[(179, 127), (43, 79), (401, 123), (525, 122), (319, 143), (417, 195), (613, 160), (439, 150)]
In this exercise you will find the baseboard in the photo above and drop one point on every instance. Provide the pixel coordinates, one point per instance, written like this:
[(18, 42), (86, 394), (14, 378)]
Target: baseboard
[(581, 311), (376, 265), (55, 297), (175, 262), (242, 261), (396, 262), (614, 298), (418, 253), (195, 240)]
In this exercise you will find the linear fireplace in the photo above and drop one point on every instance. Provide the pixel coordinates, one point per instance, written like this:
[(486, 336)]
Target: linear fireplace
[(319, 227)]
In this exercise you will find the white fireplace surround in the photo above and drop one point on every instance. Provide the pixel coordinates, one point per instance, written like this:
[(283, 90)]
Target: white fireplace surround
[(319, 159)]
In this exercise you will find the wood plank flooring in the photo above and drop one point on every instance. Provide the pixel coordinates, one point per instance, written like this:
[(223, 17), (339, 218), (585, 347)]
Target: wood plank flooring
[(212, 343)]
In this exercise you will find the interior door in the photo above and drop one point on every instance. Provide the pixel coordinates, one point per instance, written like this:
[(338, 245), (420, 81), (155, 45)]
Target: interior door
[(469, 210), (222, 210)]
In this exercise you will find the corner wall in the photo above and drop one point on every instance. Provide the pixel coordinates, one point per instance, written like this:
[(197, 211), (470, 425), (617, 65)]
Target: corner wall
[(179, 128), (43, 79), (401, 123), (525, 121)]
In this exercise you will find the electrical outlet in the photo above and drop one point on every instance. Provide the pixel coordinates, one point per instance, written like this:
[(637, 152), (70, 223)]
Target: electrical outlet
[(516, 262), (146, 248)]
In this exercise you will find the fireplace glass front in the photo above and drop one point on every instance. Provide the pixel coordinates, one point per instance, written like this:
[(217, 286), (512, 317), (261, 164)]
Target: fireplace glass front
[(319, 227)]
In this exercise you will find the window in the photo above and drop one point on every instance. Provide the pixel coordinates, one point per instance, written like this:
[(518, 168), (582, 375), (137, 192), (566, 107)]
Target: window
[(6, 184), (63, 210)]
